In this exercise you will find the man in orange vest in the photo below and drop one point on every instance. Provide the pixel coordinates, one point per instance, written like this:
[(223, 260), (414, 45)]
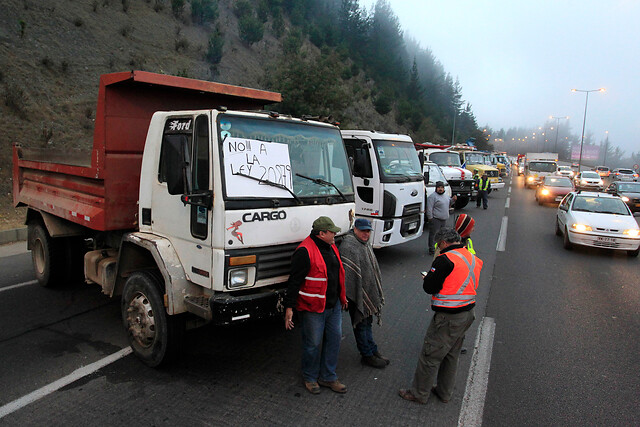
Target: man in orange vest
[(316, 289), (452, 283)]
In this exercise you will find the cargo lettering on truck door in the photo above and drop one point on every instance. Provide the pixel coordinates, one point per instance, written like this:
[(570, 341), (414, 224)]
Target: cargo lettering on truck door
[(188, 227)]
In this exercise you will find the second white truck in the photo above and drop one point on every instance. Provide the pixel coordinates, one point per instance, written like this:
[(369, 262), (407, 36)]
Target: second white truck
[(389, 185)]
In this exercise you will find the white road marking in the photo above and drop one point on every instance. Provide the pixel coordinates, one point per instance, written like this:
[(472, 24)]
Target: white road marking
[(506, 204), (475, 391), (19, 285), (509, 190), (62, 382), (502, 237)]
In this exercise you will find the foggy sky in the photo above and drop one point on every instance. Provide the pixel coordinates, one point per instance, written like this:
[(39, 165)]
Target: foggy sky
[(517, 61)]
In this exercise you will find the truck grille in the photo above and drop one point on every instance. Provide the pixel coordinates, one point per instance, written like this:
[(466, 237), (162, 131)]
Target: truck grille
[(460, 186), (271, 262), (493, 174), (411, 209)]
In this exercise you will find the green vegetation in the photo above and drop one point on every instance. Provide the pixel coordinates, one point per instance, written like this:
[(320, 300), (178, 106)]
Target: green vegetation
[(203, 11)]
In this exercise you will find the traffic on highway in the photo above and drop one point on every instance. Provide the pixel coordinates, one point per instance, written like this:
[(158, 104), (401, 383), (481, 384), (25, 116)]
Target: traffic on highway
[(553, 341)]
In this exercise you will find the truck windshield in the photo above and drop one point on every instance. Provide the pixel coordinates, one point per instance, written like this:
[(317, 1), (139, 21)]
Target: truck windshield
[(475, 159), (273, 151), (398, 161), (543, 166), (445, 159)]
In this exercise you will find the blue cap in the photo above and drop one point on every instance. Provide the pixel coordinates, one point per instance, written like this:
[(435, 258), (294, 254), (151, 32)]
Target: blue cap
[(363, 224)]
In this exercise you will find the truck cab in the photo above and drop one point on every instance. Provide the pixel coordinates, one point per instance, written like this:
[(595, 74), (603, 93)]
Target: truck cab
[(478, 163), (459, 179), (389, 185)]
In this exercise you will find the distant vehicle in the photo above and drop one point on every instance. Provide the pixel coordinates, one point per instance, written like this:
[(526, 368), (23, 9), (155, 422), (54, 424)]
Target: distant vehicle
[(602, 171), (599, 220), (624, 175), (575, 166), (588, 180), (553, 189), (629, 192), (536, 170), (565, 171)]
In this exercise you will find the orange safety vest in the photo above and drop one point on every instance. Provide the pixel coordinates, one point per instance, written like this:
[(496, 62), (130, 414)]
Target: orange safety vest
[(313, 292), (459, 288)]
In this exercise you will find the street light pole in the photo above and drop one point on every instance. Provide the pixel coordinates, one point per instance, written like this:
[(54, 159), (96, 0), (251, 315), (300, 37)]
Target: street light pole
[(557, 119), (584, 120), (606, 148)]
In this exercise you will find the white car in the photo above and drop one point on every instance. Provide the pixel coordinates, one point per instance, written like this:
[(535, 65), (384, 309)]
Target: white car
[(599, 220), (565, 171), (588, 180)]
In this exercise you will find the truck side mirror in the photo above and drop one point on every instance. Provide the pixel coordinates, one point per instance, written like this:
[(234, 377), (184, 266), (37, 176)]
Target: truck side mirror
[(426, 177), (421, 158), (175, 150)]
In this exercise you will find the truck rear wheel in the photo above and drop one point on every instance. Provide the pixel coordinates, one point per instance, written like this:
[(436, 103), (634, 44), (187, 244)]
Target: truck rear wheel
[(46, 255), (461, 202), (154, 336)]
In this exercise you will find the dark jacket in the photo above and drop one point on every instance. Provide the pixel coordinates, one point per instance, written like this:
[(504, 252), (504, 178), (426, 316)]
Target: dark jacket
[(300, 265), (434, 280)]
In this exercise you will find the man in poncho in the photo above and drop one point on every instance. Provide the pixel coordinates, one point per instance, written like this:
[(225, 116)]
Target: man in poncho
[(364, 290)]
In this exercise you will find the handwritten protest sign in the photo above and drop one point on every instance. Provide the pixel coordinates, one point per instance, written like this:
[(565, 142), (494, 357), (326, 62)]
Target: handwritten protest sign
[(267, 161)]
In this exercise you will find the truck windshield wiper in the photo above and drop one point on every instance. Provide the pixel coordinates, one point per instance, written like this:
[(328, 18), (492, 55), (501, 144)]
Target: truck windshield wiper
[(272, 184), (320, 181)]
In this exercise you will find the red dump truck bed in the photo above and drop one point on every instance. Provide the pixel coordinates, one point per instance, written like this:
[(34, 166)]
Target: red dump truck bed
[(102, 193)]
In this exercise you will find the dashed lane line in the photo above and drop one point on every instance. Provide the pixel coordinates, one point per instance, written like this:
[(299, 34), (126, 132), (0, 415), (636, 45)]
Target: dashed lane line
[(62, 382), (507, 203), (502, 237), (475, 391), (19, 285)]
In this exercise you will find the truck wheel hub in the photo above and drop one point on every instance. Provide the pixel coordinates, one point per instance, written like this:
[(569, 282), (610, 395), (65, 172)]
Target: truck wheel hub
[(140, 320)]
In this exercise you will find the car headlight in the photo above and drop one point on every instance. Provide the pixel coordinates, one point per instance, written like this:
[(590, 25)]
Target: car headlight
[(239, 277), (632, 232), (544, 192), (583, 181), (530, 178), (571, 173), (601, 182), (581, 228), (624, 198)]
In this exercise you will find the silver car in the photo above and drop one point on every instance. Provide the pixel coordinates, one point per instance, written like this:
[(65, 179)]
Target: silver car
[(624, 175), (588, 180)]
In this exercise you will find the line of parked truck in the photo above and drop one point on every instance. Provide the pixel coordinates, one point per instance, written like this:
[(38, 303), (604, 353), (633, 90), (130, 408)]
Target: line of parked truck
[(193, 199)]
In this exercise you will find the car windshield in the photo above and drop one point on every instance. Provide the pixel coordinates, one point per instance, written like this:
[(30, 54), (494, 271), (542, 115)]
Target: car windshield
[(398, 160), (445, 159), (543, 166), (629, 187), (604, 205), (259, 153), (628, 171), (557, 182), (590, 175), (564, 168), (602, 168), (435, 175)]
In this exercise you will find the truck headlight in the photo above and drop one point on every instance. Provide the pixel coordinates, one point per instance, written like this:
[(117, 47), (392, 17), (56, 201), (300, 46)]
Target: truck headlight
[(241, 277), (633, 232)]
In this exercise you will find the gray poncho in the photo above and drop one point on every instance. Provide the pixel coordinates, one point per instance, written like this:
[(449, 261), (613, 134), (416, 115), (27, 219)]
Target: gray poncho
[(362, 277)]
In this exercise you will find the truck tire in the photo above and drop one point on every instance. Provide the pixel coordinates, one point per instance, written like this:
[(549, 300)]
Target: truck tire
[(461, 202), (47, 255), (154, 336)]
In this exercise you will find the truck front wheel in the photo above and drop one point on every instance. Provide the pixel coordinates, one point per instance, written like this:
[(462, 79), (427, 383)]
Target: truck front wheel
[(155, 337), (461, 202)]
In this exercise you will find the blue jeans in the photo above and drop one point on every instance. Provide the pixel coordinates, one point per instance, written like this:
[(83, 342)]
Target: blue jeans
[(364, 337), (321, 336)]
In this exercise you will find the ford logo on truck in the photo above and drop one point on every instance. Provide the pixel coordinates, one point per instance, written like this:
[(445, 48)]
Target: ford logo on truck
[(264, 216)]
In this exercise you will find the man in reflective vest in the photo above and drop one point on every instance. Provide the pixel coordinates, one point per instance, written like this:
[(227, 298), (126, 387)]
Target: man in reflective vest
[(484, 186), (316, 289), (452, 282)]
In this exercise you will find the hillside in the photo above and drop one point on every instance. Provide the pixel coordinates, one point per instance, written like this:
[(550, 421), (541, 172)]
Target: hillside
[(52, 53)]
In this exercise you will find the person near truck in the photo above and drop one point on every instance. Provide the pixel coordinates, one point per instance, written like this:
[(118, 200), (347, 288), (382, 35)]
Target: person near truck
[(364, 290), (464, 225), (484, 186), (438, 205), (452, 282), (316, 290)]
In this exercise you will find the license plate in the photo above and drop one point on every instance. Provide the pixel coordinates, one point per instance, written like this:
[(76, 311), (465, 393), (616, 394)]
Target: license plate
[(412, 226), (605, 239), (559, 199)]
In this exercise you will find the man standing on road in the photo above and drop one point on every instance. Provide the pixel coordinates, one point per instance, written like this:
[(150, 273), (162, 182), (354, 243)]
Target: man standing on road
[(438, 205), (452, 282), (316, 289), (364, 290), (484, 186)]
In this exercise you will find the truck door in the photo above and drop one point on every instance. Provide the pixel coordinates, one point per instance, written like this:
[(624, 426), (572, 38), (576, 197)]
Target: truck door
[(188, 227), (365, 177)]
